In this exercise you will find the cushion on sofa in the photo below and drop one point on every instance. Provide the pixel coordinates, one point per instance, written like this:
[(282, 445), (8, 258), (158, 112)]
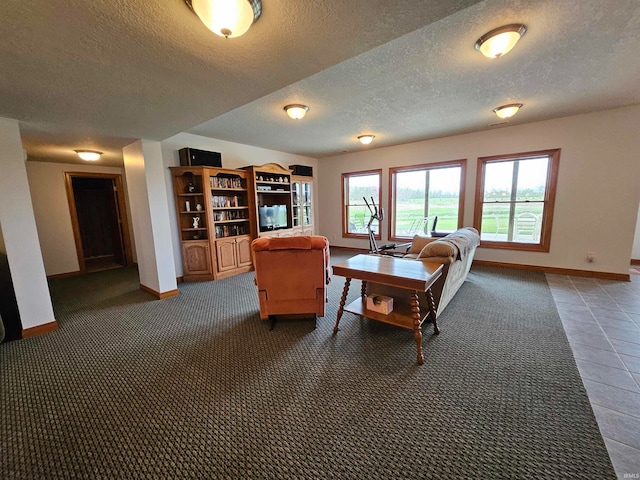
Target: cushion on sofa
[(439, 248), (454, 246), (419, 242)]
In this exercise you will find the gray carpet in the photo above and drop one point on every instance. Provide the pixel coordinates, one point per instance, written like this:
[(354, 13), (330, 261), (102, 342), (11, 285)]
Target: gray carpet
[(198, 387)]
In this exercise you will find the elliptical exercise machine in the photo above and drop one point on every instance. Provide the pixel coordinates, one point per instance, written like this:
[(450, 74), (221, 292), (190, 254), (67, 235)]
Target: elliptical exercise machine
[(375, 215)]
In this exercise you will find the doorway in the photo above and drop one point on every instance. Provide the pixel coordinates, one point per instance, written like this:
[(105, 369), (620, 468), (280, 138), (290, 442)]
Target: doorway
[(99, 221)]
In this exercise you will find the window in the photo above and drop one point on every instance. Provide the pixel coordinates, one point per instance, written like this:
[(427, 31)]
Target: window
[(421, 192), (514, 200), (356, 187)]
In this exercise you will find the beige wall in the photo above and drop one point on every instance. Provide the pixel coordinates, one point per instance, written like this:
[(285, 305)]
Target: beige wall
[(19, 231), (598, 184), (234, 155), (148, 199), (51, 209), (635, 251), (3, 249)]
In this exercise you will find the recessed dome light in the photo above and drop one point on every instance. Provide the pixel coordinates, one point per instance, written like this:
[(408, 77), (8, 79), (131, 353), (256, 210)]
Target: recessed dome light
[(227, 18), (500, 41), (296, 110), (366, 139), (89, 155), (507, 111)]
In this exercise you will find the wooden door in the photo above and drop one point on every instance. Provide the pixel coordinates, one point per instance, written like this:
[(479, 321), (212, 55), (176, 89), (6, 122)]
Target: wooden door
[(98, 217), (226, 254), (119, 250), (196, 258), (243, 247)]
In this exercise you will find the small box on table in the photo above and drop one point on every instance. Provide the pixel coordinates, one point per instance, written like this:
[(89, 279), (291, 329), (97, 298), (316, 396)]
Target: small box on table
[(380, 303)]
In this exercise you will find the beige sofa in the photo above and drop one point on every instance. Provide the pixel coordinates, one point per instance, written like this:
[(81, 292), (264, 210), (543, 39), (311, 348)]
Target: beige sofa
[(455, 251)]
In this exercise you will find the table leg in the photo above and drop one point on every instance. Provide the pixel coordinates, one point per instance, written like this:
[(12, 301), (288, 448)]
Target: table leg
[(417, 333), (363, 290), (343, 300), (432, 311)]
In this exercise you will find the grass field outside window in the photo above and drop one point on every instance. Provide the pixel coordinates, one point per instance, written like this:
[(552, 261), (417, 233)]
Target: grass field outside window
[(420, 193)]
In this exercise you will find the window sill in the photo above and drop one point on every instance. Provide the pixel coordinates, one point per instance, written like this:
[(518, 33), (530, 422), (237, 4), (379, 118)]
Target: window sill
[(360, 235), (525, 247)]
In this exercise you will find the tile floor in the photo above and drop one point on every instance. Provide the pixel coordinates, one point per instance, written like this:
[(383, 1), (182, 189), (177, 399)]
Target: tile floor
[(602, 322)]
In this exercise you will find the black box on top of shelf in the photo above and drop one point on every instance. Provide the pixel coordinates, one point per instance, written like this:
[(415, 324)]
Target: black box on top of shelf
[(190, 157), (301, 170)]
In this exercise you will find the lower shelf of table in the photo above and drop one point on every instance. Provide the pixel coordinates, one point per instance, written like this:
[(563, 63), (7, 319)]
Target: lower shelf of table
[(401, 316)]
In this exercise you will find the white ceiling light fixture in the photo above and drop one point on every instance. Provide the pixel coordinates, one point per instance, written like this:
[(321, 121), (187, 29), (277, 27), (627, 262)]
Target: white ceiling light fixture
[(227, 18), (500, 41), (366, 139), (507, 111), (89, 155), (296, 110)]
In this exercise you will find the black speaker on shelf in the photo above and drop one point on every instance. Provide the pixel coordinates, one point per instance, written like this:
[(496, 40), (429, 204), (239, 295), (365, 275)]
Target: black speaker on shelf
[(301, 170), (190, 157)]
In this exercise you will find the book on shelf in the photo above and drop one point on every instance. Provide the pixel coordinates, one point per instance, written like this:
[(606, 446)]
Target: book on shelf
[(218, 201), (225, 182)]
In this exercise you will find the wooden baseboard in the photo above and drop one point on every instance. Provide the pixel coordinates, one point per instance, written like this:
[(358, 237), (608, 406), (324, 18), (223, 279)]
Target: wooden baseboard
[(158, 295), (179, 279), (351, 249), (623, 277), (635, 261), (63, 275), (39, 329)]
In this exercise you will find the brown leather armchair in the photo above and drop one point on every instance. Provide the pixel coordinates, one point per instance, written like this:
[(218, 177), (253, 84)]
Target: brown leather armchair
[(291, 274)]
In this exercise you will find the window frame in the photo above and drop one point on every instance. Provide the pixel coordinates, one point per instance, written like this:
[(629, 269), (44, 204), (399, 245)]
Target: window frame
[(548, 202), (462, 163), (345, 218)]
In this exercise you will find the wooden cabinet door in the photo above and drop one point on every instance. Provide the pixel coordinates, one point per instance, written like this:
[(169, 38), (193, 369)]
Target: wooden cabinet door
[(243, 248), (226, 254), (196, 258)]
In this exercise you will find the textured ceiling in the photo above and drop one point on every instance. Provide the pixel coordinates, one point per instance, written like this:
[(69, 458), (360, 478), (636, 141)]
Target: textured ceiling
[(576, 57), (101, 74)]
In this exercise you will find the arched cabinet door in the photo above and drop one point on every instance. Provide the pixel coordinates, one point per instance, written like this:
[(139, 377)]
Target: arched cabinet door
[(196, 259)]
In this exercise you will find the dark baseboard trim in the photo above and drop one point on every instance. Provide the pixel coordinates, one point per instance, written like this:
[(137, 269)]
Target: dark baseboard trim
[(39, 329), (158, 295), (179, 279), (623, 277), (64, 275), (635, 261), (351, 249)]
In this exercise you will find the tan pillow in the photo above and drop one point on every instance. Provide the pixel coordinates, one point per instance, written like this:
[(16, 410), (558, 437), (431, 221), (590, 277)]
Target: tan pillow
[(437, 249), (418, 243)]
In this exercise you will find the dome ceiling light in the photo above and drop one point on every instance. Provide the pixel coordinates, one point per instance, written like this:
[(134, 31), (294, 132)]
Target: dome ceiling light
[(500, 41), (89, 155), (366, 139), (296, 110), (227, 18), (507, 111)]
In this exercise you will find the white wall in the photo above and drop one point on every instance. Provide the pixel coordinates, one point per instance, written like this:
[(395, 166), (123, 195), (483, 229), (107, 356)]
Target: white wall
[(3, 249), (20, 236), (598, 184), (51, 209), (150, 217), (635, 251), (234, 155)]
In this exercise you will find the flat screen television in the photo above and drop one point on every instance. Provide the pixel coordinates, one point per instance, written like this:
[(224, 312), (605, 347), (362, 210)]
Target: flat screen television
[(272, 217)]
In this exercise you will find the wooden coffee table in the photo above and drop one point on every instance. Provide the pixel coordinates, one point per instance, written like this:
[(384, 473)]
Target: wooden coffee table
[(412, 275)]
